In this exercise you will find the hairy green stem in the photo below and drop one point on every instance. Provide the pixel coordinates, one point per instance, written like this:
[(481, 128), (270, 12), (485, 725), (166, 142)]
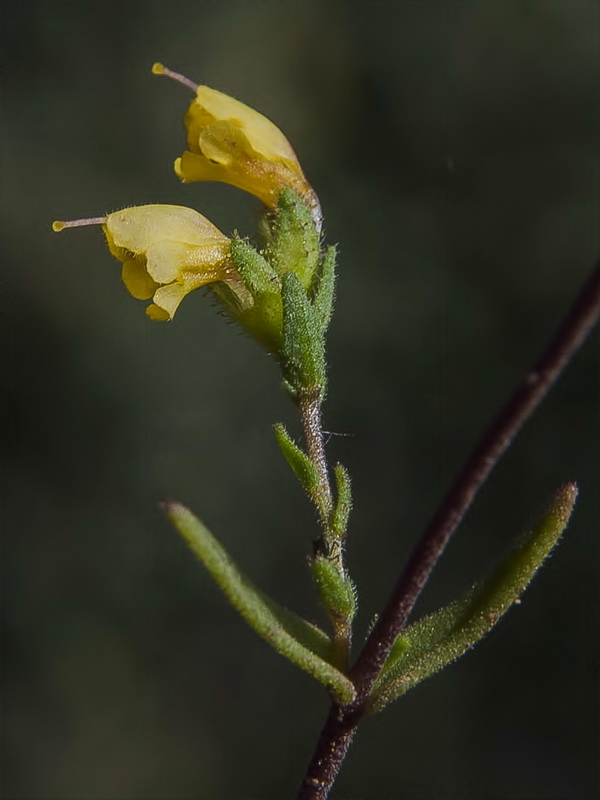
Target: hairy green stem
[(330, 544), (309, 406)]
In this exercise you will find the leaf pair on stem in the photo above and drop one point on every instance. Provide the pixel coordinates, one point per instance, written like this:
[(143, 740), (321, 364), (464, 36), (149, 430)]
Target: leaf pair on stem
[(425, 647)]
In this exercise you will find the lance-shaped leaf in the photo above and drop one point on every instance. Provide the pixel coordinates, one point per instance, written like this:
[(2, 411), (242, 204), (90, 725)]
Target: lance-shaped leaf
[(324, 295), (258, 275), (343, 504), (303, 357), (439, 638), (336, 590), (302, 466), (304, 644)]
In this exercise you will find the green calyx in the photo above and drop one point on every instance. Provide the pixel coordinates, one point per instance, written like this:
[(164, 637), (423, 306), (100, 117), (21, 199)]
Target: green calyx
[(285, 293), (258, 306)]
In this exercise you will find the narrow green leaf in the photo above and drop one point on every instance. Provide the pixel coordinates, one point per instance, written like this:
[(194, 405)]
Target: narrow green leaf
[(336, 591), (301, 642), (258, 275), (324, 295), (399, 648), (302, 466), (303, 354), (343, 505), (436, 640)]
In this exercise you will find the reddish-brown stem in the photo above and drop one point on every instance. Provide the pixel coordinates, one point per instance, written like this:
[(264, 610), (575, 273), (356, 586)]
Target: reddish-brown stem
[(334, 741), (342, 722)]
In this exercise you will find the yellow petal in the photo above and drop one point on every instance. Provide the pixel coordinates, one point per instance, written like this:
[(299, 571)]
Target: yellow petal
[(157, 314), (167, 259), (118, 252), (166, 301), (164, 260), (194, 167), (137, 228), (263, 179), (222, 143), (193, 279), (135, 277), (265, 137)]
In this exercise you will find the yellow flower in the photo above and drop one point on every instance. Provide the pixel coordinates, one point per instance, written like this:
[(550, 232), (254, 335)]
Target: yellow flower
[(231, 142), (166, 251)]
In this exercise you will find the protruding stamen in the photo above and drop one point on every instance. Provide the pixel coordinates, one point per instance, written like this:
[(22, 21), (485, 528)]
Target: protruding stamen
[(160, 69), (60, 225)]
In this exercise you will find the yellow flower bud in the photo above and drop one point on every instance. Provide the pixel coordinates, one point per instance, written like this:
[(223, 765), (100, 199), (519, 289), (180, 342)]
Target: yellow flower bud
[(166, 252), (231, 142)]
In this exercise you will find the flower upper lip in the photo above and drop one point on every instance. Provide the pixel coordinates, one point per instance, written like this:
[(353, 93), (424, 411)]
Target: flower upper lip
[(211, 107)]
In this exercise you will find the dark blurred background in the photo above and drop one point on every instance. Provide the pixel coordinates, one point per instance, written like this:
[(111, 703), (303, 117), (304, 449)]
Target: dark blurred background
[(454, 146)]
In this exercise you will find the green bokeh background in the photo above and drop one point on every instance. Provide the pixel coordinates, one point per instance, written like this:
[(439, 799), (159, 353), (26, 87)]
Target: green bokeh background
[(454, 146)]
